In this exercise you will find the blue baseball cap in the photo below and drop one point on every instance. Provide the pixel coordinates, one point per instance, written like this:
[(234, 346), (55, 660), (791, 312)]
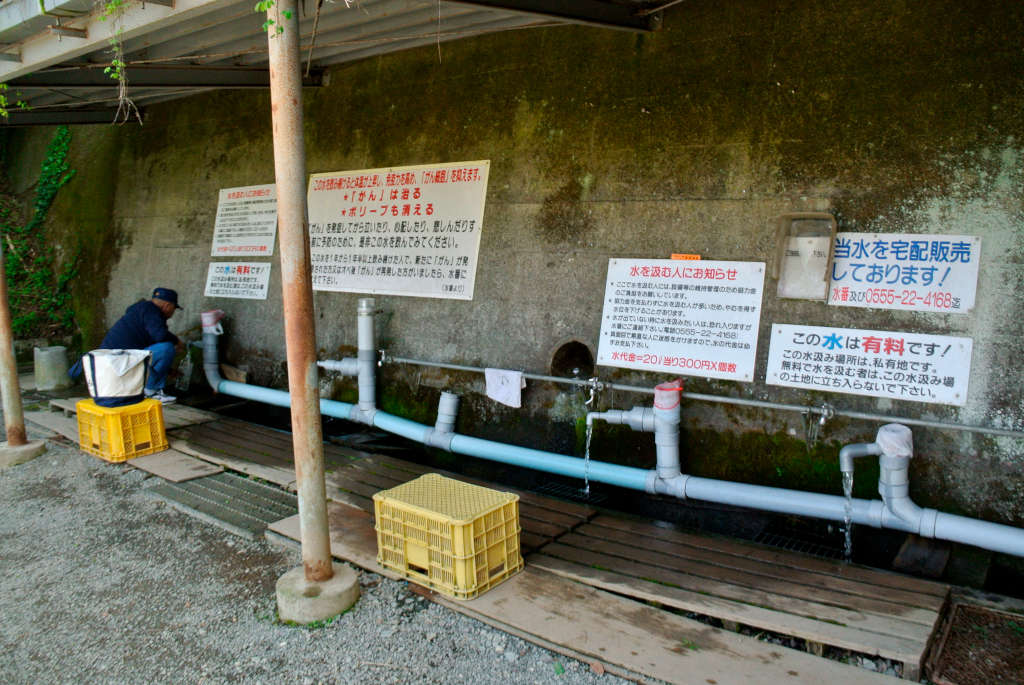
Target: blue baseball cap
[(167, 295)]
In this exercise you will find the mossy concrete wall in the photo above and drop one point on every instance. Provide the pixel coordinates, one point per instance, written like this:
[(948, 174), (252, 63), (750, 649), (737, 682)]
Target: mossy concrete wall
[(897, 117)]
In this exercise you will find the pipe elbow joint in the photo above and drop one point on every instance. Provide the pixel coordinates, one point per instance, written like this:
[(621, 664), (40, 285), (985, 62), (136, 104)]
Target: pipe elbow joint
[(439, 439), (850, 452), (362, 415), (674, 486)]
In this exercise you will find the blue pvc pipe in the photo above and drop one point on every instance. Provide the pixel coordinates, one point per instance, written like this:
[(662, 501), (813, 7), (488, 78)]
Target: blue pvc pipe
[(612, 474), (574, 467), (280, 398)]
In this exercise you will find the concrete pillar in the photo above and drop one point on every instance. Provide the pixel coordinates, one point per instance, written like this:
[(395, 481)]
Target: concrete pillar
[(318, 597)]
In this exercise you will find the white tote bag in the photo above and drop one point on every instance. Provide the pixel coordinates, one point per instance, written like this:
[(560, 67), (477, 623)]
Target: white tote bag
[(116, 377)]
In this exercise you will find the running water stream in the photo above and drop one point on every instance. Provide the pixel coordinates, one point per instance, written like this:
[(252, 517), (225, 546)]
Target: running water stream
[(586, 462), (848, 516)]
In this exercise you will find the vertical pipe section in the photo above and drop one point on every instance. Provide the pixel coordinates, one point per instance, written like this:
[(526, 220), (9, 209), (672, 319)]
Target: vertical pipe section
[(300, 332), (14, 419)]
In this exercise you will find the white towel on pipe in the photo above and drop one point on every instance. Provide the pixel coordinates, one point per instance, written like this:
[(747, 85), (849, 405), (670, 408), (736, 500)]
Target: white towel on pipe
[(505, 386)]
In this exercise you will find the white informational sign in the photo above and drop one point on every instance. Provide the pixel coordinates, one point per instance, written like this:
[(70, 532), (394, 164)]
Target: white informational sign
[(400, 231), (698, 318), (924, 273), (245, 280), (246, 222), (901, 366)]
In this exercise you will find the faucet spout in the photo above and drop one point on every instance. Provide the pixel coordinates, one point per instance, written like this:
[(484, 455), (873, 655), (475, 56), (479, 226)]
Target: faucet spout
[(850, 452)]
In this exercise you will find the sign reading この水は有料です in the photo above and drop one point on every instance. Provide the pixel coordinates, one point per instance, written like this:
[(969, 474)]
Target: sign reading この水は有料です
[(245, 280)]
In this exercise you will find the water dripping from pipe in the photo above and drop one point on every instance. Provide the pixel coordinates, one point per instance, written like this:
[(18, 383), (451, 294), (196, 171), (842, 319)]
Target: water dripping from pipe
[(848, 516), (586, 462)]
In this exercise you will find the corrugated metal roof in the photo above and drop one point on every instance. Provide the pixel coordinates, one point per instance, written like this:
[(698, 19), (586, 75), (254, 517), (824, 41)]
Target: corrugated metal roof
[(55, 60)]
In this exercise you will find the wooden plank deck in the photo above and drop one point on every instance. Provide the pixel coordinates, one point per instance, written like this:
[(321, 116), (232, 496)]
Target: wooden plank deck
[(352, 476), (823, 602), (820, 601), (627, 638)]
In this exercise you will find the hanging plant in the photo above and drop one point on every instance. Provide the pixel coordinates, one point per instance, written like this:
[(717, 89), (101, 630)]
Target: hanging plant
[(114, 10)]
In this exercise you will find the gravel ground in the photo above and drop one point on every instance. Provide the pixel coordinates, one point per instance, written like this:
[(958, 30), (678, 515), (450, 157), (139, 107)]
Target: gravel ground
[(102, 583)]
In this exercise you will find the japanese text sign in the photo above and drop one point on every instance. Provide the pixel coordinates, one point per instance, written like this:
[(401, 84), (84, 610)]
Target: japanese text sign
[(696, 318), (901, 366), (924, 273), (244, 280), (246, 222), (400, 231)]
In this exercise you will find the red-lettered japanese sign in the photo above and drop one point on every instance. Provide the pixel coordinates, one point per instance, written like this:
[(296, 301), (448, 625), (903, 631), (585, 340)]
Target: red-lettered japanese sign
[(901, 366), (246, 223), (924, 273), (399, 231), (245, 280), (696, 318)]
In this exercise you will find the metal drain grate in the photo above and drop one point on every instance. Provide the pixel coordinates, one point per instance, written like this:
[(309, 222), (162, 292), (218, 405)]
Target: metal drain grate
[(817, 548), (240, 505), (569, 492)]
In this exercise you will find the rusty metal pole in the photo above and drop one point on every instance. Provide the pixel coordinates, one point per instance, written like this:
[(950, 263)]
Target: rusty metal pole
[(300, 331), (14, 418)]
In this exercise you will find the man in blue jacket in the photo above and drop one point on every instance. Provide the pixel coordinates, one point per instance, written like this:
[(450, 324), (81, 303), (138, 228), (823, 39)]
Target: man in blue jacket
[(144, 327)]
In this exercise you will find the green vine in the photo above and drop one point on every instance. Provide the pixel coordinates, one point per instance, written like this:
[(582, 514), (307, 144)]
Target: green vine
[(264, 6), (5, 101), (39, 297)]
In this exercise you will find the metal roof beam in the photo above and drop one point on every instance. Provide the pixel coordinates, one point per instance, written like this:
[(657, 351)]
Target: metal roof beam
[(594, 12), (156, 77), (56, 117)]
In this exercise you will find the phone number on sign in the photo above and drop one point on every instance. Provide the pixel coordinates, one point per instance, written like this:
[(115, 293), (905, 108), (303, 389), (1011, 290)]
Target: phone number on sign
[(908, 298)]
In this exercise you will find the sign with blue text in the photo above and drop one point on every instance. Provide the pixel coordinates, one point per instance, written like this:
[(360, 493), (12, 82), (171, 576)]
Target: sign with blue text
[(697, 318), (923, 273), (901, 366)]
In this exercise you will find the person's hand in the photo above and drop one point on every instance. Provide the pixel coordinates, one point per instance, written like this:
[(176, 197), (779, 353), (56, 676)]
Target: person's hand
[(179, 346)]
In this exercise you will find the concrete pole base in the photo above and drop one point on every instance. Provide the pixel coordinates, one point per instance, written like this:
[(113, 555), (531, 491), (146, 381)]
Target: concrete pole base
[(303, 602), (19, 454)]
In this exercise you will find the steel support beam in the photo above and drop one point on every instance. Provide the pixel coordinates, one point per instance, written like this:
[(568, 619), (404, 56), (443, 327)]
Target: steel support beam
[(297, 286), (57, 117), (155, 77), (594, 12), (14, 418)]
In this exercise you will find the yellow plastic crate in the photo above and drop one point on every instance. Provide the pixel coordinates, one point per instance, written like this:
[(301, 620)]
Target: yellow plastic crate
[(121, 433), (453, 537)]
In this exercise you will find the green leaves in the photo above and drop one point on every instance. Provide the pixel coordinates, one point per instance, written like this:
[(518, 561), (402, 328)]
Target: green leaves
[(39, 298), (268, 24)]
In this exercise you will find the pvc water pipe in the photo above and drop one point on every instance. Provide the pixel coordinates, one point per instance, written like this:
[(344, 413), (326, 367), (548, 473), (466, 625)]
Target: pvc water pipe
[(899, 513)]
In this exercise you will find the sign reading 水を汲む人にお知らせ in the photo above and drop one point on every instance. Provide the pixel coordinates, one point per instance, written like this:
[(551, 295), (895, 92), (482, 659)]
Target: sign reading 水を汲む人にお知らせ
[(924, 273), (244, 280), (697, 318), (901, 366), (246, 222), (400, 231)]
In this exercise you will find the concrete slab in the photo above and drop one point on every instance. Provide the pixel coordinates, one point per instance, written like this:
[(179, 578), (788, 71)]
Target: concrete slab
[(174, 466), (12, 455), (303, 602)]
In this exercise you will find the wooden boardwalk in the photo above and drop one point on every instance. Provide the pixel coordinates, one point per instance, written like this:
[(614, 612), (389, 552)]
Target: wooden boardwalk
[(822, 602), (586, 568)]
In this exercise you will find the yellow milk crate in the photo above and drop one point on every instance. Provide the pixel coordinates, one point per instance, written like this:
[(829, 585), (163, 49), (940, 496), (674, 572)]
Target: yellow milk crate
[(456, 538), (121, 433)]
